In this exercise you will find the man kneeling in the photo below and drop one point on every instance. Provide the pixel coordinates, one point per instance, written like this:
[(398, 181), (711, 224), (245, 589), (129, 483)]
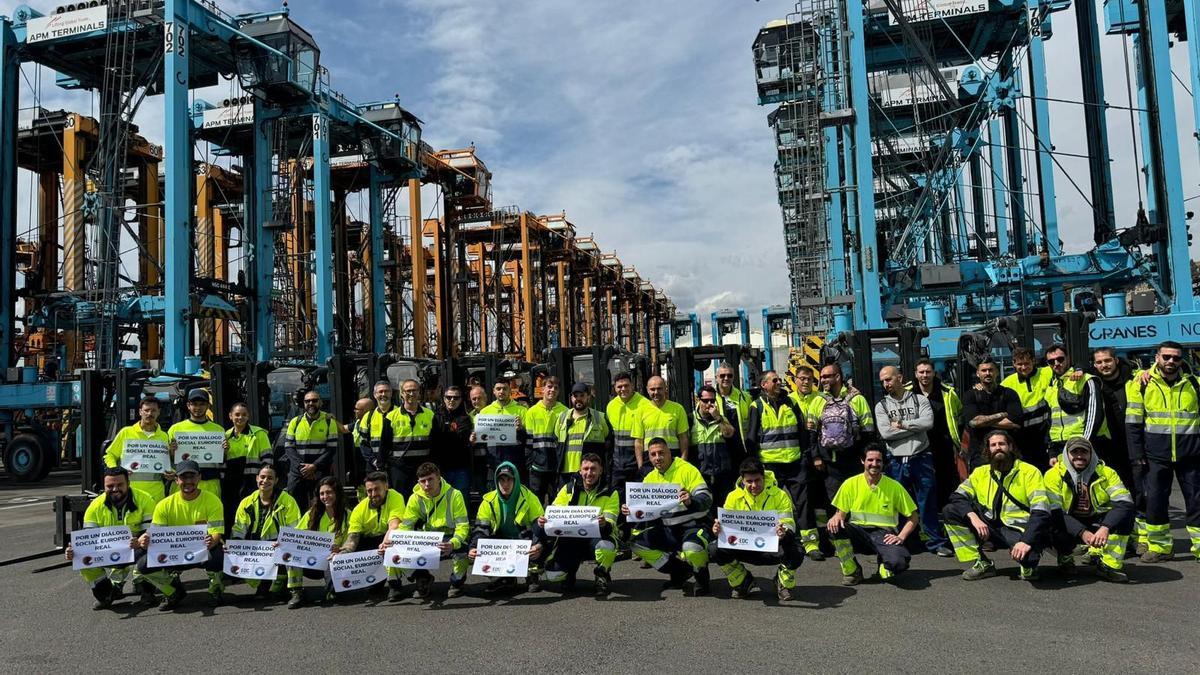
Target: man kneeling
[(1090, 507), (1004, 502), (869, 507), (757, 490), (436, 506), (565, 554)]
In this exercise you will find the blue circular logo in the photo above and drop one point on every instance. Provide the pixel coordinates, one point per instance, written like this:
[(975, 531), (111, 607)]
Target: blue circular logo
[(583, 531), (759, 542), (259, 571), (370, 578), (421, 561), (189, 556), (312, 560), (115, 556), (511, 569)]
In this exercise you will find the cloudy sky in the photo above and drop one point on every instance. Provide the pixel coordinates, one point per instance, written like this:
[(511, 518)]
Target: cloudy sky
[(637, 119)]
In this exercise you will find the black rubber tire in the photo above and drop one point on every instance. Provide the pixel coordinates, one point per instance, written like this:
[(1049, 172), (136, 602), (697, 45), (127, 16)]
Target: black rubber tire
[(27, 459)]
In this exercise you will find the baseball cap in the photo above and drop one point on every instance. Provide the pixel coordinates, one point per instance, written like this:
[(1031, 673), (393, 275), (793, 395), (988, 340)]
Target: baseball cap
[(580, 388), (197, 395), (187, 466), (506, 471), (508, 375)]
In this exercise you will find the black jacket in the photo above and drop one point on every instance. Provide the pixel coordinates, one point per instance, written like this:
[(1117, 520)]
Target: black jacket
[(451, 437)]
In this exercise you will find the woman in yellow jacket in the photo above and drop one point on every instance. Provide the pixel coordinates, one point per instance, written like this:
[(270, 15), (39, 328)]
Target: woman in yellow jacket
[(261, 515), (327, 514)]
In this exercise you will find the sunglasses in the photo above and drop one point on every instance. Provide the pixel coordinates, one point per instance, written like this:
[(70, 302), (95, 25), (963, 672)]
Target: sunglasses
[(1170, 357), (708, 400), (1058, 359), (725, 376), (452, 398)]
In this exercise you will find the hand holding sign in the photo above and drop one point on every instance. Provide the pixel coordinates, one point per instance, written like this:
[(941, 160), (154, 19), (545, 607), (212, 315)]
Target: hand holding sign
[(573, 521), (172, 546), (250, 559), (206, 448), (142, 456), (651, 501), (748, 530), (502, 558), (304, 548), (351, 571), (413, 550), (496, 429), (101, 547)]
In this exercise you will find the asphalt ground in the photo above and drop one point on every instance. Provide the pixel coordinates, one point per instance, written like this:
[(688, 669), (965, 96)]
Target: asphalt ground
[(927, 620)]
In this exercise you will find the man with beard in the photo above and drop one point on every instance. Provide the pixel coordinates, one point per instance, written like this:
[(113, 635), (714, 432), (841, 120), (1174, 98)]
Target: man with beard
[(372, 519), (119, 505), (986, 407), (677, 542), (804, 395), (189, 505), (869, 508), (1090, 507), (1076, 407), (713, 436), (565, 554), (1163, 428), (945, 437), (579, 431), (1030, 383), (733, 402), (452, 428), (1113, 374), (1004, 502)]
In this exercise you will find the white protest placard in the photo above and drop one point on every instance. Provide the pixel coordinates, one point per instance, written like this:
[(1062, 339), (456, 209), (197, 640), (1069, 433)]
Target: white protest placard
[(250, 559), (413, 550), (651, 501), (145, 456), (304, 548), (573, 521), (177, 545), (101, 547), (351, 571), (496, 429), (502, 558), (206, 448), (748, 530)]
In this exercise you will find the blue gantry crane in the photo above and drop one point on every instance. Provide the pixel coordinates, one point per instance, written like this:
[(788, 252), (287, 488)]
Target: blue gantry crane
[(919, 181)]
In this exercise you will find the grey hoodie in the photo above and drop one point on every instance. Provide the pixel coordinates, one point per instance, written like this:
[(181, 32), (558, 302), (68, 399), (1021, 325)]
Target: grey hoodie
[(914, 411)]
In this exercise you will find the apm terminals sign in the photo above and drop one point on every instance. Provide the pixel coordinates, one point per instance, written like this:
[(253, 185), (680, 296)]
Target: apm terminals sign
[(54, 27), (916, 11)]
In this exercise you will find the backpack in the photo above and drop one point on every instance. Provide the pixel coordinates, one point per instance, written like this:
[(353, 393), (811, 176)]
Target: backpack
[(839, 425)]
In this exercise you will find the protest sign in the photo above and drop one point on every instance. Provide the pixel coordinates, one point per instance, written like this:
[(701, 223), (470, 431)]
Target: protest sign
[(413, 550), (573, 521), (250, 559), (351, 571), (177, 545), (502, 558), (143, 456), (101, 547), (304, 548), (651, 501), (748, 530), (206, 448), (496, 429)]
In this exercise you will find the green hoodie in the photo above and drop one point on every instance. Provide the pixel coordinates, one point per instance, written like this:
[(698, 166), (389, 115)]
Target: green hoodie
[(507, 517)]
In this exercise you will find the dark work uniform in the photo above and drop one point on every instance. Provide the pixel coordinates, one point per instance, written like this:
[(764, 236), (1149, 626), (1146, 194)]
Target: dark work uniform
[(982, 402)]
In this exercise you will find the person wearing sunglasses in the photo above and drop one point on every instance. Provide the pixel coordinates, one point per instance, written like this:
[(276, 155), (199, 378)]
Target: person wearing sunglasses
[(711, 436), (1162, 423), (309, 443), (452, 427), (730, 399), (1076, 408)]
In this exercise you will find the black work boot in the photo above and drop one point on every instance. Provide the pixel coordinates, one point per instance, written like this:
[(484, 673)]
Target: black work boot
[(103, 592)]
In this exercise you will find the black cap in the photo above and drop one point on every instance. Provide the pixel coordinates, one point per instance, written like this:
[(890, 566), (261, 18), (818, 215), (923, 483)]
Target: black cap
[(197, 395), (506, 471), (187, 466), (580, 388)]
